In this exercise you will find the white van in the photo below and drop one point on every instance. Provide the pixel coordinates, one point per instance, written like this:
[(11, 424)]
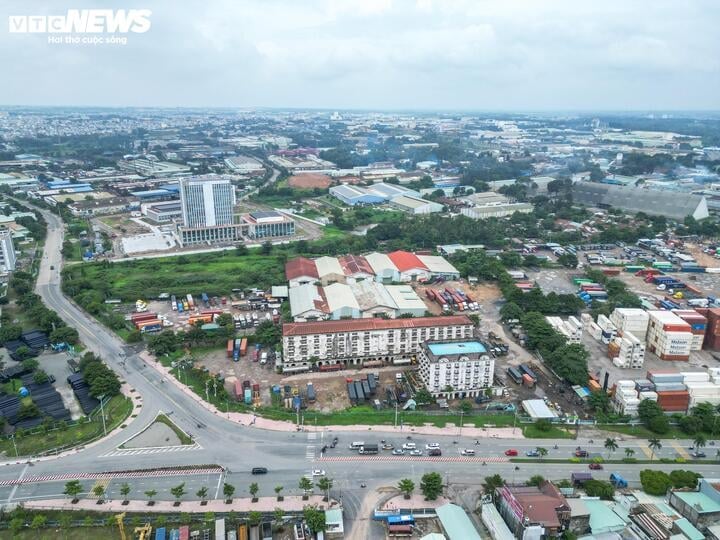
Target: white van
[(356, 445), (263, 358)]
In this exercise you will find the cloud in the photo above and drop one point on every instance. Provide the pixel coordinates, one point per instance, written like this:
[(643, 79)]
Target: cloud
[(462, 54)]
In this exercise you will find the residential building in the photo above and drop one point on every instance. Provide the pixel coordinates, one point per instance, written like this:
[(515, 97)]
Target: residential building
[(457, 369), (540, 510), (270, 224), (354, 342), (701, 507), (8, 259)]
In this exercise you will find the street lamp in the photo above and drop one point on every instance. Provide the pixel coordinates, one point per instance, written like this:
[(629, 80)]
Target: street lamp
[(461, 422), (12, 438)]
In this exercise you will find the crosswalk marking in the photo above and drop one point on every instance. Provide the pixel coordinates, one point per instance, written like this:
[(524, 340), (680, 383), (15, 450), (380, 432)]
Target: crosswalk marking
[(312, 435), (145, 451), (443, 459), (156, 473), (680, 450), (310, 452)]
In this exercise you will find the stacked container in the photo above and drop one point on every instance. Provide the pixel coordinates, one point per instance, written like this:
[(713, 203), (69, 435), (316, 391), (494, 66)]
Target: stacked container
[(632, 320), (586, 320), (701, 392), (625, 400), (608, 329), (669, 336), (698, 326), (571, 329), (712, 331), (672, 393), (627, 351)]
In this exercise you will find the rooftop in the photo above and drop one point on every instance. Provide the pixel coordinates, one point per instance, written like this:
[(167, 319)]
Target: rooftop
[(300, 267), (404, 260), (359, 325), (405, 297), (456, 348), (456, 523), (701, 502)]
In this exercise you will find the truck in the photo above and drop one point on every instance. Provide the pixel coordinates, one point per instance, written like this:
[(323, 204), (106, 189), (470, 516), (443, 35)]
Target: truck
[(263, 357), (180, 306), (173, 303), (230, 348), (239, 391), (310, 392), (190, 301), (160, 533), (368, 449), (242, 532), (205, 298), (618, 481), (248, 396), (243, 346), (579, 478), (256, 352), (220, 528)]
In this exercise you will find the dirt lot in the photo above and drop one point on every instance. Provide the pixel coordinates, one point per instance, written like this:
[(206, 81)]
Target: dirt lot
[(703, 259), (483, 293), (310, 181), (708, 283), (557, 280), (121, 225)]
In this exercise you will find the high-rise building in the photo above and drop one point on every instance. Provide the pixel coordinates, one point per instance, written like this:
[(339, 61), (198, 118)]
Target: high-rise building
[(207, 201), (7, 251)]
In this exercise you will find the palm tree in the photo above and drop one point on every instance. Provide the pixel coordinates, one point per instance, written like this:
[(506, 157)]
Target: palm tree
[(629, 452), (700, 441), (279, 517), (406, 487), (655, 445), (150, 494), (202, 493), (325, 484), (125, 491), (610, 446), (278, 489)]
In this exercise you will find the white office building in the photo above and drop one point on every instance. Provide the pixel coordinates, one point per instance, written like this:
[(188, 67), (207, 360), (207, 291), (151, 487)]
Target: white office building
[(207, 201), (457, 369), (7, 251)]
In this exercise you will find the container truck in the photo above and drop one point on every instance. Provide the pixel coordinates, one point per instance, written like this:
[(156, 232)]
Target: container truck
[(230, 348), (173, 303), (248, 396), (243, 346), (180, 307), (239, 391), (186, 305), (190, 301)]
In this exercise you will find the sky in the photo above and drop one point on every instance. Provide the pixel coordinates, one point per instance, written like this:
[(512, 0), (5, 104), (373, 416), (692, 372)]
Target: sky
[(484, 55)]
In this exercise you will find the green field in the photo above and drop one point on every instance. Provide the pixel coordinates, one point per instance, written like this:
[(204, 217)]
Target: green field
[(214, 273), (117, 411)]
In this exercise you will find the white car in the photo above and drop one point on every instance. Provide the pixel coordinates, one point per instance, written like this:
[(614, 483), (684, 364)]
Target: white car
[(432, 445), (409, 446), (318, 472), (467, 452), (416, 452)]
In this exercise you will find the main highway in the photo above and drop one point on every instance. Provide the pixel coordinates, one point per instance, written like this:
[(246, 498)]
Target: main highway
[(287, 455)]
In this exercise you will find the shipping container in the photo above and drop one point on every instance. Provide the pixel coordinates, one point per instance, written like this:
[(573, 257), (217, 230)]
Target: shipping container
[(514, 374), (230, 348), (243, 346), (524, 368)]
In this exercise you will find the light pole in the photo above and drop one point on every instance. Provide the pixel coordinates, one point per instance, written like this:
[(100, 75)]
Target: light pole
[(396, 413), (461, 423), (102, 413), (12, 438)]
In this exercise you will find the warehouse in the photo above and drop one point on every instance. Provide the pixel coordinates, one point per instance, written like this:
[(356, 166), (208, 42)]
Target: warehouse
[(410, 266), (341, 302), (355, 195), (385, 270), (355, 268), (300, 271), (353, 342), (374, 299), (307, 303), (439, 267), (671, 204), (329, 270), (406, 300), (415, 205)]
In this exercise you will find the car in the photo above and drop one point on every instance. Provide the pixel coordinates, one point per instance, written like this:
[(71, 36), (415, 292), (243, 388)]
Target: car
[(430, 446), (532, 453), (511, 452), (698, 454), (581, 453), (416, 452), (259, 470), (409, 446), (467, 452), (318, 472), (398, 452), (435, 452), (387, 446), (596, 466)]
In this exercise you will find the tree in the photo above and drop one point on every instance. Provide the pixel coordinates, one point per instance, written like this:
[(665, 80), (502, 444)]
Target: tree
[(492, 483), (278, 489), (73, 489), (253, 489), (423, 397), (228, 491), (178, 492), (655, 445), (314, 518), (209, 518), (65, 523), (542, 452), (599, 401), (568, 260), (599, 488), (99, 491), (610, 445), (38, 522), (535, 480), (655, 482), (64, 334), (466, 406), (202, 494), (629, 452), (40, 377), (150, 494), (653, 417), (325, 484), (406, 487), (431, 485), (125, 490), (306, 485), (279, 518), (511, 311), (684, 479), (254, 518), (700, 441)]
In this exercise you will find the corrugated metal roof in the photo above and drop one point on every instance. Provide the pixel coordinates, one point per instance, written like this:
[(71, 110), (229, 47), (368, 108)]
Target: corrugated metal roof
[(328, 265), (371, 294), (340, 296), (380, 263), (306, 298), (300, 267), (404, 261), (405, 297), (456, 523), (357, 325), (355, 264), (437, 264)]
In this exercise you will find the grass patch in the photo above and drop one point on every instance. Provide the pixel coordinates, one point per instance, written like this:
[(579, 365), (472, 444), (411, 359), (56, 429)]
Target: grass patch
[(532, 432), (184, 437), (116, 412), (642, 432), (76, 533)]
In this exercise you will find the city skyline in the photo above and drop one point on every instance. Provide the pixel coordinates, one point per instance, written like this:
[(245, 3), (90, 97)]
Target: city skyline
[(381, 55)]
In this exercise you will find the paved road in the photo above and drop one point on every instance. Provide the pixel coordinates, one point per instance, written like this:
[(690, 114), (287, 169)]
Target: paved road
[(287, 455)]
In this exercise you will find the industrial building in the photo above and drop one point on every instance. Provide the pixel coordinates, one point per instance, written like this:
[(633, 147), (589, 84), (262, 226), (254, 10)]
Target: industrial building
[(455, 370), (162, 212), (384, 269), (374, 194), (415, 205), (300, 271), (488, 204), (269, 224), (671, 204), (410, 266), (207, 201), (355, 342), (8, 259)]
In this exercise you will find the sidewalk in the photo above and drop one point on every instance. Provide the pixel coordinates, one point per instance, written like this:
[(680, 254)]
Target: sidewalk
[(293, 503), (248, 419)]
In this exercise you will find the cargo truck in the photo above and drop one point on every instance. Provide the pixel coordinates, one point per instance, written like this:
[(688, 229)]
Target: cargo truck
[(230, 348), (243, 346), (180, 307), (248, 396), (310, 393), (173, 303), (205, 299), (618, 481), (190, 301)]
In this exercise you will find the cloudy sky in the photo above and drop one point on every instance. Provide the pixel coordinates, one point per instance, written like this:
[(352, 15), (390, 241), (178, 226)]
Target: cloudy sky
[(379, 54)]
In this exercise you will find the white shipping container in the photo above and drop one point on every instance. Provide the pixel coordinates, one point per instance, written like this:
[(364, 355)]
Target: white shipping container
[(625, 384)]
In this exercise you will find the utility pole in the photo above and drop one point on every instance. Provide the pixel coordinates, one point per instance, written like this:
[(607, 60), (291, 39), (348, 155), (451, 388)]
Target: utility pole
[(396, 414), (461, 422), (102, 413), (12, 438)]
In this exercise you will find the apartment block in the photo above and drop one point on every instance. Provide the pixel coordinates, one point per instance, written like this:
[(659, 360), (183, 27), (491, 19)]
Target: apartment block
[(455, 369)]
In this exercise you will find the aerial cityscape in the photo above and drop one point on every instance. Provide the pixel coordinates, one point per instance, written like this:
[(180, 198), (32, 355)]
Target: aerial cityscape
[(360, 270)]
